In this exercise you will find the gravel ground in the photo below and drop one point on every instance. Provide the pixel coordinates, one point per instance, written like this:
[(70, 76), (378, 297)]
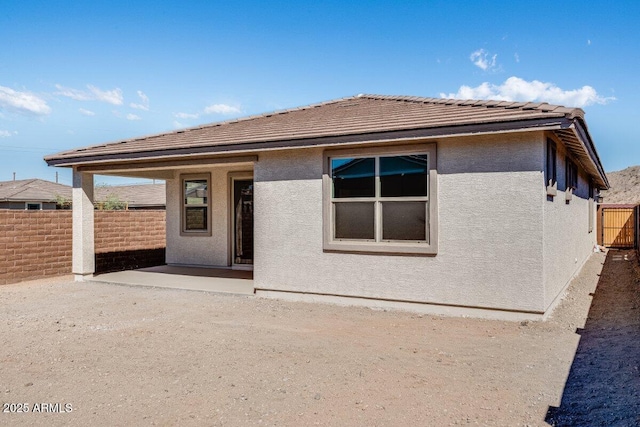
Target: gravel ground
[(603, 388), (117, 355)]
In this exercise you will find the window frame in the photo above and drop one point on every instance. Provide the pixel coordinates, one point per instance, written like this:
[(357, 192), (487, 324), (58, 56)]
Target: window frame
[(27, 204), (183, 206), (392, 247)]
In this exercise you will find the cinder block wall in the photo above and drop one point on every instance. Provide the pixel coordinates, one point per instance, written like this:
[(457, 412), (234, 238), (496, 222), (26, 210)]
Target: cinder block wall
[(117, 231), (34, 244), (126, 240), (37, 244)]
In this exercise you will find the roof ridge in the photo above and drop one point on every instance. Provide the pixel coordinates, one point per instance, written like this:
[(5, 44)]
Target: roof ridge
[(491, 103)]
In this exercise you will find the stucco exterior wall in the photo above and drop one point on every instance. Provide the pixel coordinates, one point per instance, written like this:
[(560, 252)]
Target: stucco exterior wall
[(490, 230), (567, 240), (201, 250)]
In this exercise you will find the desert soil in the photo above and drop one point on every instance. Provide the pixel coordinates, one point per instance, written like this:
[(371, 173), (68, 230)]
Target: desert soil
[(117, 355)]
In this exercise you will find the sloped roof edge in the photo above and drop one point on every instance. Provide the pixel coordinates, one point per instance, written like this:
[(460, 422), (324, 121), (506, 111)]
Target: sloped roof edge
[(449, 112), (359, 118)]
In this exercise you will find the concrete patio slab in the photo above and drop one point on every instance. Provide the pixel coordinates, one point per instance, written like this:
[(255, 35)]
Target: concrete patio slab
[(217, 280)]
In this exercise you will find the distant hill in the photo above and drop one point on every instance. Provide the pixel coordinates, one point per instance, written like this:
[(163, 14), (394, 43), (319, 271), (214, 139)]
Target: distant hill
[(625, 186)]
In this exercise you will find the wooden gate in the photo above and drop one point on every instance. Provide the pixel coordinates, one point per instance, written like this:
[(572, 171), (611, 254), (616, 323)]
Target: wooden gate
[(617, 226)]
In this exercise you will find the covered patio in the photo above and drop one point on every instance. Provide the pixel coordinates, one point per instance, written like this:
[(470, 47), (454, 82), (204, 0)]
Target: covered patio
[(218, 280), (209, 233)]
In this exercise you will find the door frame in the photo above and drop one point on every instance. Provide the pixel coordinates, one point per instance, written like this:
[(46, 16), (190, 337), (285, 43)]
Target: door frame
[(232, 177)]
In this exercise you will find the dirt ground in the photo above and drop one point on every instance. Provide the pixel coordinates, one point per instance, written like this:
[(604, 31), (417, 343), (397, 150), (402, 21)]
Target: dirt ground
[(117, 355)]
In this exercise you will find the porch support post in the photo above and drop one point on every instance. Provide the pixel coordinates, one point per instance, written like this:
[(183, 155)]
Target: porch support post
[(83, 264)]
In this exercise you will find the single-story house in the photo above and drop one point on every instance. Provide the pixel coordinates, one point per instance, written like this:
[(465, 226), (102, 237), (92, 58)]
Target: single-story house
[(32, 194), (437, 205), (40, 194)]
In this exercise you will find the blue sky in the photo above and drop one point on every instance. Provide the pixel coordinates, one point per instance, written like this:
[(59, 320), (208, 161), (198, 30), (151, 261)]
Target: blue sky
[(82, 73)]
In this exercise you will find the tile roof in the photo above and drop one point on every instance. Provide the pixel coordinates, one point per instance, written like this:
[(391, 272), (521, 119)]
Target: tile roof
[(361, 114), (352, 119), (36, 190), (136, 195), (39, 190)]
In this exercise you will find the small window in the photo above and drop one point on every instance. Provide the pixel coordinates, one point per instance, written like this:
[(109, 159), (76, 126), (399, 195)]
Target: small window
[(592, 204), (380, 200), (572, 174), (34, 206), (551, 177), (196, 211)]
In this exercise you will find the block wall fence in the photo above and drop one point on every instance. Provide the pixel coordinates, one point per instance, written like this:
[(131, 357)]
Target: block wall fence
[(37, 244)]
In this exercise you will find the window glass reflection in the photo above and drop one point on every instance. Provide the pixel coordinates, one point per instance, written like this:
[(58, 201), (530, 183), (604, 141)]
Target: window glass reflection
[(353, 177), (195, 192), (403, 176)]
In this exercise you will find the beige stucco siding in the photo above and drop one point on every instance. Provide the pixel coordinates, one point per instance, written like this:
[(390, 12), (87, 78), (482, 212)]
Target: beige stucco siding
[(490, 230), (567, 240), (210, 250)]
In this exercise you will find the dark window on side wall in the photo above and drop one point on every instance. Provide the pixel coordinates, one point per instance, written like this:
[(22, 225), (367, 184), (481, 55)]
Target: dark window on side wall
[(551, 171), (572, 174)]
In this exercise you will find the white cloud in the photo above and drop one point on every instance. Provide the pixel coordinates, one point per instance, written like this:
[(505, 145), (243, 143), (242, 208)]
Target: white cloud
[(5, 134), (111, 96), (133, 117), (221, 109), (22, 102), (516, 57), (517, 89), (93, 94), (76, 94), (86, 112), (588, 42), (482, 60), (145, 102), (186, 115), (177, 124)]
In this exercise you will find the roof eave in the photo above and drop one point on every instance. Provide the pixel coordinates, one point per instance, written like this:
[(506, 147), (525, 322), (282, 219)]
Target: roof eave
[(590, 148), (548, 123)]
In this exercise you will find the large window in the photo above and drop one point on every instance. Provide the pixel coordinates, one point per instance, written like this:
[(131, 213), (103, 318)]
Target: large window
[(380, 200), (196, 212)]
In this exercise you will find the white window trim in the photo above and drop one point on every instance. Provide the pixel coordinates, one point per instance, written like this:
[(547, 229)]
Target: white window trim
[(26, 206), (183, 206), (388, 247)]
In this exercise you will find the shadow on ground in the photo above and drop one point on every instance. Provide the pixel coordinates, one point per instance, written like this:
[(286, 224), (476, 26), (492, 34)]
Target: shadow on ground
[(603, 387)]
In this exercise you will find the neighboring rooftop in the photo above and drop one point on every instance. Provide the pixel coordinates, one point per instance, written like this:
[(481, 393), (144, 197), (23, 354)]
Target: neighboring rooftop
[(361, 116), (39, 190), (136, 195), (32, 190)]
